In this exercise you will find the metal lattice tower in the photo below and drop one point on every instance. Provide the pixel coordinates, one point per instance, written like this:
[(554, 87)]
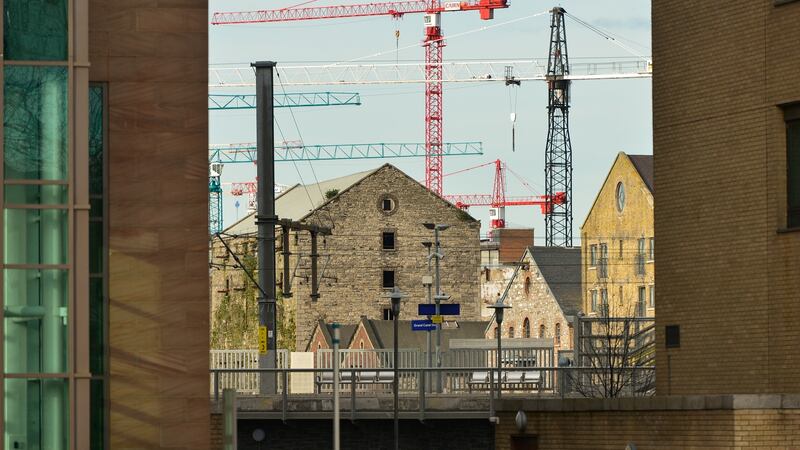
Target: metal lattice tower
[(215, 199), (558, 150)]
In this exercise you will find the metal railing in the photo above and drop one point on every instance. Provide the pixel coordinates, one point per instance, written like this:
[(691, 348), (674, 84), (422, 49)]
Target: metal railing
[(570, 382), (243, 359)]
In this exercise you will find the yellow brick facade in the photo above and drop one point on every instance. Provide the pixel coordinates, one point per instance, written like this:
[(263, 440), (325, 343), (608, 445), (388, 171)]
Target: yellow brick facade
[(729, 272), (627, 264)]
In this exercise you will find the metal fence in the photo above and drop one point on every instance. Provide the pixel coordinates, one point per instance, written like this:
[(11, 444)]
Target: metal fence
[(244, 382)]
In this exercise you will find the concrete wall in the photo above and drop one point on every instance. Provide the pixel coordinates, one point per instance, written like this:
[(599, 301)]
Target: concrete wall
[(153, 55), (606, 224), (728, 275), (352, 280)]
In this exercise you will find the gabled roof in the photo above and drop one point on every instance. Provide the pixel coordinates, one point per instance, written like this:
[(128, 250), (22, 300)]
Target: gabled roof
[(561, 270), (345, 333), (299, 200), (644, 165), (381, 333)]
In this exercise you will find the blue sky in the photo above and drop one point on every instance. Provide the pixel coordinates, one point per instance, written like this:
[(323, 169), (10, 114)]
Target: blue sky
[(606, 117)]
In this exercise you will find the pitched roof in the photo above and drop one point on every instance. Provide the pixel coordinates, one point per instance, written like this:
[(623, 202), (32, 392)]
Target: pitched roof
[(561, 270), (299, 200), (345, 332), (382, 333), (644, 165)]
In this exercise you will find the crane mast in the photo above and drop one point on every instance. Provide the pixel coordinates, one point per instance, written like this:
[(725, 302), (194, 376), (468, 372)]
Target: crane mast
[(558, 148)]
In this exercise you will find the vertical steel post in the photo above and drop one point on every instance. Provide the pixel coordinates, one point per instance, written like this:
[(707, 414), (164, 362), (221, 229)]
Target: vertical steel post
[(266, 220), (336, 338), (429, 339), (229, 419), (437, 299), (287, 280), (314, 258)]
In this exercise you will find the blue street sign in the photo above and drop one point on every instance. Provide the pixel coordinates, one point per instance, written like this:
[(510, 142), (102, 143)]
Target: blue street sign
[(445, 309), (422, 325)]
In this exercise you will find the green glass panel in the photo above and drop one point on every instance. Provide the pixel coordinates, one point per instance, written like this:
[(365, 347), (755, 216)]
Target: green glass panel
[(30, 194), (96, 139), (35, 236), (35, 30), (97, 412), (35, 123), (96, 210), (96, 248), (36, 414), (35, 338), (96, 326)]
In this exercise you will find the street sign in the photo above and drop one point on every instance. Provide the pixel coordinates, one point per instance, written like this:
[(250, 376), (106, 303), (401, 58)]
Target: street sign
[(422, 325), (445, 309), (262, 340)]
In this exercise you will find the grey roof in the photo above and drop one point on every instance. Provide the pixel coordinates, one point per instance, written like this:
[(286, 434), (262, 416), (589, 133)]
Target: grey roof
[(644, 165), (299, 200), (345, 333), (381, 333), (561, 269)]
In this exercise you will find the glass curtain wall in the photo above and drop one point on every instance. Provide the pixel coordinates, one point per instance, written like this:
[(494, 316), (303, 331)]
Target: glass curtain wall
[(39, 227)]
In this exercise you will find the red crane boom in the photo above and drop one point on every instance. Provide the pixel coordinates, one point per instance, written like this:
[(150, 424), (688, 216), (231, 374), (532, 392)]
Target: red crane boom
[(498, 200), (433, 43)]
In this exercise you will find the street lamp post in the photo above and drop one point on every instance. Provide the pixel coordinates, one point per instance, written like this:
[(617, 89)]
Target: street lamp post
[(396, 296), (499, 310), (427, 282), (437, 227)]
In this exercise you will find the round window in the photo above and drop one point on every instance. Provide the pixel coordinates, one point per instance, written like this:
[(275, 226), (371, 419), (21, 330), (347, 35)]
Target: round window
[(387, 203), (620, 196)]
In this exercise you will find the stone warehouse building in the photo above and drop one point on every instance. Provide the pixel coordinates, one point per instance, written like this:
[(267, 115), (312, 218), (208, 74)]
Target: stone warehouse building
[(618, 242), (545, 296), (377, 221)]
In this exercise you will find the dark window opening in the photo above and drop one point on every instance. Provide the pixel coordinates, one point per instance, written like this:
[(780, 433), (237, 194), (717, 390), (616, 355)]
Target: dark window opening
[(387, 204), (387, 314), (388, 279), (793, 166), (388, 240), (672, 334)]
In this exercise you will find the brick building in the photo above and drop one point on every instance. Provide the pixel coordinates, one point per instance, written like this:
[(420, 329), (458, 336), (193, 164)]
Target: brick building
[(727, 162), (618, 243), (545, 296), (376, 244)]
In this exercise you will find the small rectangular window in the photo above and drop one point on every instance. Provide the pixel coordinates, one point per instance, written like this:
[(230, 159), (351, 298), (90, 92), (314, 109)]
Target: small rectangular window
[(387, 314), (620, 248), (388, 240), (672, 334), (594, 301), (593, 255), (641, 246), (652, 253), (642, 301), (388, 279), (792, 118), (652, 296)]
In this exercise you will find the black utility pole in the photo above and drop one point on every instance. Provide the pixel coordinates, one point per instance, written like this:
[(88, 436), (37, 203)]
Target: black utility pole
[(558, 152), (266, 220)]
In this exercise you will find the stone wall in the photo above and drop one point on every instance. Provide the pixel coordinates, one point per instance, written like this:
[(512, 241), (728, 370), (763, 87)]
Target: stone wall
[(729, 276), (353, 261), (531, 300)]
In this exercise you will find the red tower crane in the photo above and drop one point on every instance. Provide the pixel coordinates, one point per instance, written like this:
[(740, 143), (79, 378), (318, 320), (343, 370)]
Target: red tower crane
[(433, 43), (498, 201)]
